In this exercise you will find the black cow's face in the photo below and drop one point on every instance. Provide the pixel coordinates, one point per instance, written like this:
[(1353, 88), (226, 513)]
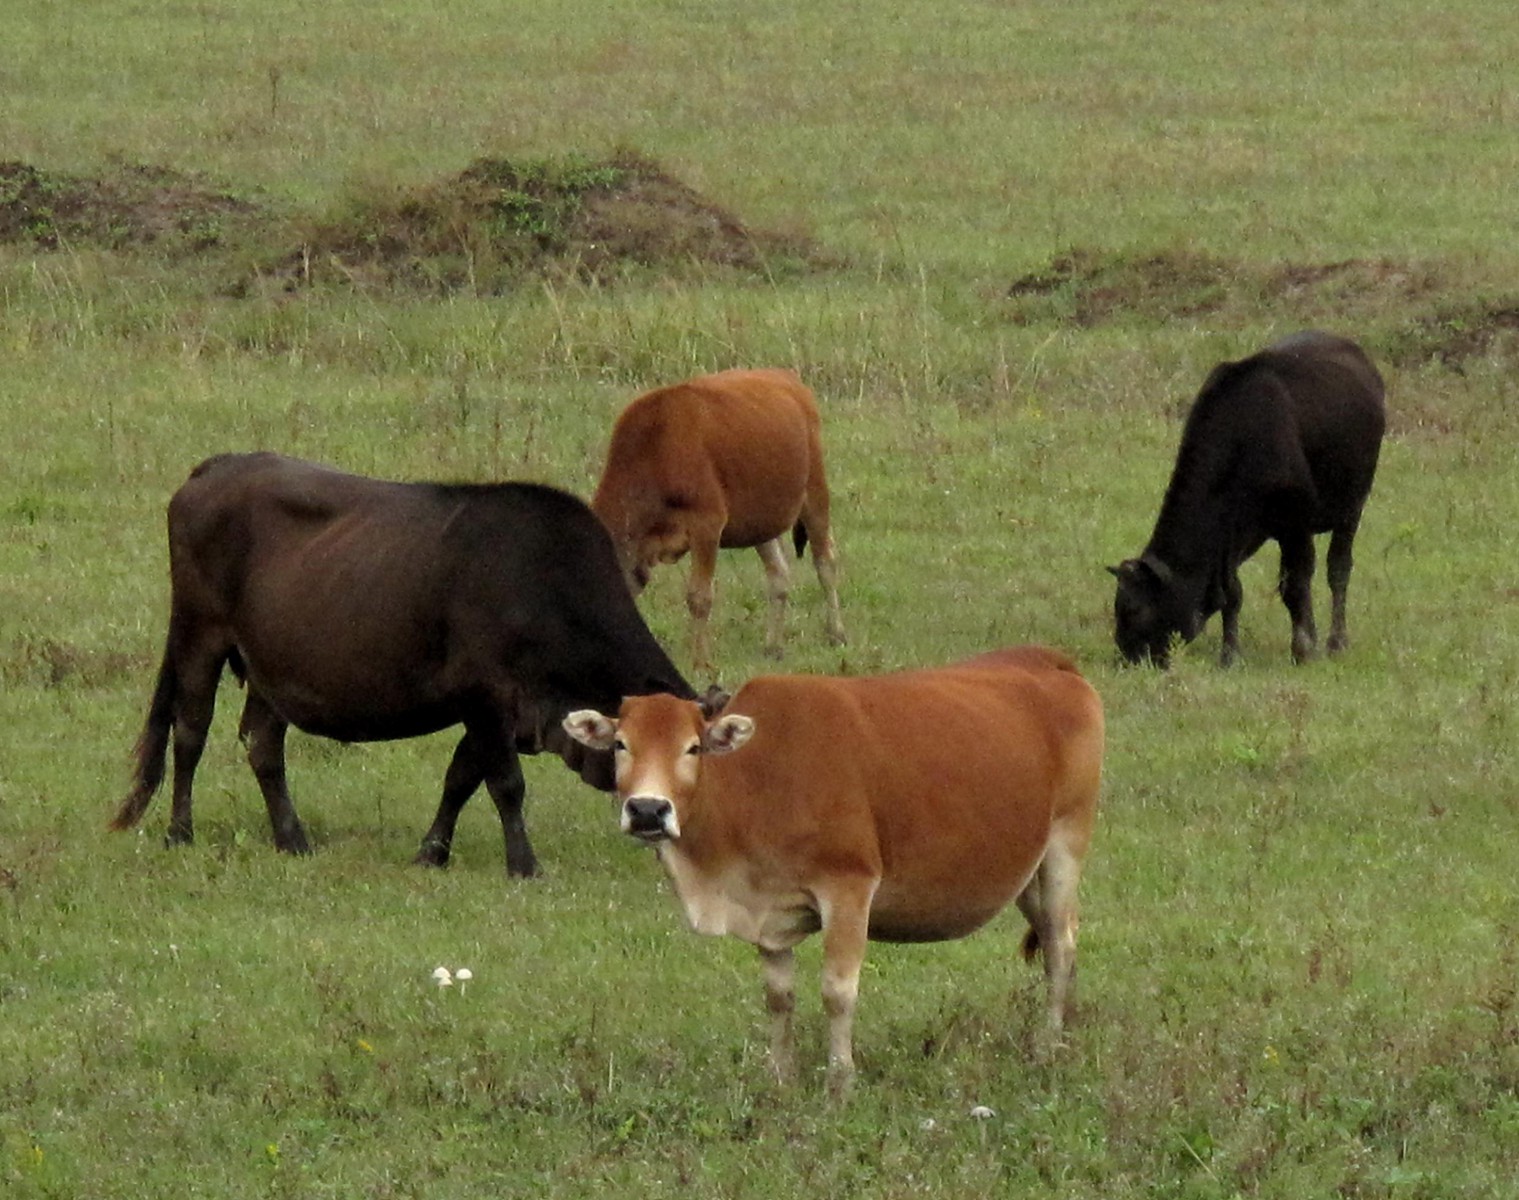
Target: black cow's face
[(1148, 616)]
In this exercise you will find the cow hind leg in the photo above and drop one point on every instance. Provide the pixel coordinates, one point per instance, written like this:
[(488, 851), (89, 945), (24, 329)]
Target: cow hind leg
[(1339, 563), (825, 561), (466, 772), (1048, 903), (777, 587), (262, 731), (1295, 583), (195, 704)]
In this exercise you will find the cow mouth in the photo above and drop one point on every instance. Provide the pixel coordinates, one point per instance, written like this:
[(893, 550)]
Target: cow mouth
[(650, 821)]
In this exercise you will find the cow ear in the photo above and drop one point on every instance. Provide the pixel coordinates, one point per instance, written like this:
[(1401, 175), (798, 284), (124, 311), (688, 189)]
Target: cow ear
[(590, 728), (713, 701), (727, 734), (1115, 572)]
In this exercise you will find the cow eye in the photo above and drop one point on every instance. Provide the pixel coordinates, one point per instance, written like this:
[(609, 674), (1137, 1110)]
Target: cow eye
[(619, 745), (694, 748)]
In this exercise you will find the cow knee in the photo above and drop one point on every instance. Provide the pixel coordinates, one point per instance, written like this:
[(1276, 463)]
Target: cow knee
[(699, 603)]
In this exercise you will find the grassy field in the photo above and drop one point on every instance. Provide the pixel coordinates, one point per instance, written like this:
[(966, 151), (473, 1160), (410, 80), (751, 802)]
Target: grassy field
[(1037, 227)]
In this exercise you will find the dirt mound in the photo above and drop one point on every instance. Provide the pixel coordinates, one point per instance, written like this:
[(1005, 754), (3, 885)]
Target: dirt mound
[(1455, 335), (133, 205), (1093, 287), (500, 221)]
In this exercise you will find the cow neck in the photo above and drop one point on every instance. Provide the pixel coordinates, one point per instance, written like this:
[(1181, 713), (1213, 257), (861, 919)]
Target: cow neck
[(1190, 535)]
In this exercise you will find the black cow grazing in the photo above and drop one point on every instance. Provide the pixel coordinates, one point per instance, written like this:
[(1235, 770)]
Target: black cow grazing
[(1280, 445), (364, 610)]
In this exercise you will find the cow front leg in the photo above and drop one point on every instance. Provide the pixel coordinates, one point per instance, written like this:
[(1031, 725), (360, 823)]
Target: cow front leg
[(1295, 583), (1232, 599), (777, 588), (845, 913), (699, 590), (503, 779), (780, 1003), (262, 731), (1339, 564), (465, 774)]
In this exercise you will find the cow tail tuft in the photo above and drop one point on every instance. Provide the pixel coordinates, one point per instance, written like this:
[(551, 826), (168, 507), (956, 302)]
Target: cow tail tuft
[(152, 746), (1030, 945), (799, 537)]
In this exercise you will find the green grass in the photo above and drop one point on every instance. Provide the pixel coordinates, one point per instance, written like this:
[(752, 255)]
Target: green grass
[(1300, 941)]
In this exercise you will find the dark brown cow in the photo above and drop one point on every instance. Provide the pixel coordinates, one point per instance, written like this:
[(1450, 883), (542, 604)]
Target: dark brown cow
[(1278, 446), (363, 610), (727, 460), (905, 807)]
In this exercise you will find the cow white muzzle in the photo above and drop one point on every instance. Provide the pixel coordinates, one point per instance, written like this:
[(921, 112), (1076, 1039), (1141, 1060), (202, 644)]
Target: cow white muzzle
[(649, 818)]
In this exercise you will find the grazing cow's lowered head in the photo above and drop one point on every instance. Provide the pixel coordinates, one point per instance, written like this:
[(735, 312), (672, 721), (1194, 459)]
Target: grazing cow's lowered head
[(1151, 611), (658, 743)]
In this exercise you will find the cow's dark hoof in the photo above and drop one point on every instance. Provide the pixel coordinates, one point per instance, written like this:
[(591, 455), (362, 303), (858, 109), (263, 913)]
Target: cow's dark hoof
[(432, 854), (178, 837)]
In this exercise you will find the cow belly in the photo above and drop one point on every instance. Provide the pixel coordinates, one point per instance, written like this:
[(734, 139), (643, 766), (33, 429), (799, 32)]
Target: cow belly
[(352, 704), (904, 913)]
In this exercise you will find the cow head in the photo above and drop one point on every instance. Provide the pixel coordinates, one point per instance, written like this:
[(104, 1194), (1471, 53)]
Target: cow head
[(1150, 611), (640, 551), (657, 743)]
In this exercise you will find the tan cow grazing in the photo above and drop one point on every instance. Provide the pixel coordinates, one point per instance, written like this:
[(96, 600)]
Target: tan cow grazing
[(908, 807), (727, 460)]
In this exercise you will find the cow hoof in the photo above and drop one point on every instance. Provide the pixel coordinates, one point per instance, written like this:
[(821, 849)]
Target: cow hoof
[(178, 837), (432, 854)]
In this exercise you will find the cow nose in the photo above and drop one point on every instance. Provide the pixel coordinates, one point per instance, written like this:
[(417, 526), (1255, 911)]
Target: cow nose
[(648, 817)]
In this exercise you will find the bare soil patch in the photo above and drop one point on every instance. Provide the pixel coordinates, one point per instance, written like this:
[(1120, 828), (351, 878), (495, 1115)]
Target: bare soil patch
[(131, 205)]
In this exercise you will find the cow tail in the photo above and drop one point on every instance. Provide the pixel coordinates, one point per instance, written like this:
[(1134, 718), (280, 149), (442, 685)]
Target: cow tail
[(799, 537), (1030, 945), (152, 745)]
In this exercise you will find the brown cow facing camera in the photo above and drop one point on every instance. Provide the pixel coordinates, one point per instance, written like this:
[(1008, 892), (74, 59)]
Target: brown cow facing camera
[(727, 460), (907, 807)]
